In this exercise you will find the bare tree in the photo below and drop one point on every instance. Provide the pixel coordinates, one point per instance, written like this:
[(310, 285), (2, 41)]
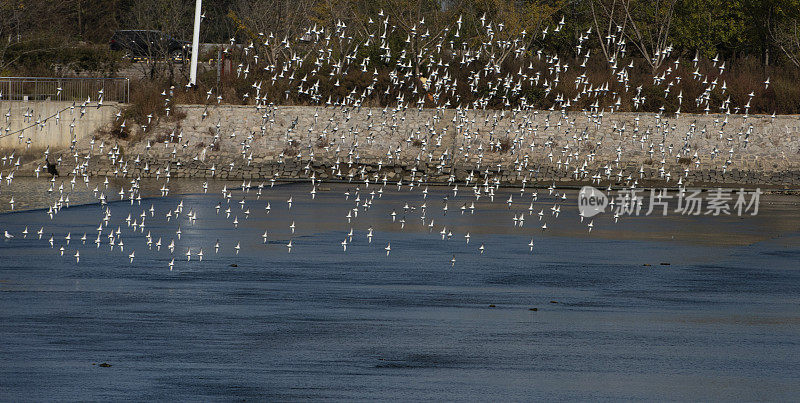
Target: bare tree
[(786, 35), (167, 20), (509, 27), (23, 33), (424, 24), (645, 24), (609, 21), (649, 24), (9, 31), (273, 25)]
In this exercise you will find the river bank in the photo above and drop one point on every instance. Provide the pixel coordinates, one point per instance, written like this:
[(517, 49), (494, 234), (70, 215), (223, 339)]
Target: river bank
[(446, 145)]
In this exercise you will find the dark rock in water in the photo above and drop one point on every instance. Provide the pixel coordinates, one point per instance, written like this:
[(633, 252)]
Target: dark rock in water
[(234, 265), (533, 309), (105, 365), (664, 264), (553, 302)]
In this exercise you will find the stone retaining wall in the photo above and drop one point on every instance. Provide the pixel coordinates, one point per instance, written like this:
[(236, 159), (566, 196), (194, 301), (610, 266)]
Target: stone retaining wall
[(244, 142)]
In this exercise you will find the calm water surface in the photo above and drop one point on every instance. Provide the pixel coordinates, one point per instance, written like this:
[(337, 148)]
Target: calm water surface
[(720, 322)]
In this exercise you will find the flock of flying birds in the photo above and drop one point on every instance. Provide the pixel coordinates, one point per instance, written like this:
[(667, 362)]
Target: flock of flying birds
[(138, 228), (421, 76)]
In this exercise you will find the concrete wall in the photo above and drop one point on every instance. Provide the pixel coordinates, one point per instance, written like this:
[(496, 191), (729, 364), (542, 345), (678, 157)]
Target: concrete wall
[(21, 117)]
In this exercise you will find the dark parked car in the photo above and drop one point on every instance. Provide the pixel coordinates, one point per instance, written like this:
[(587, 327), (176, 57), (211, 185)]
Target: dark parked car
[(149, 44)]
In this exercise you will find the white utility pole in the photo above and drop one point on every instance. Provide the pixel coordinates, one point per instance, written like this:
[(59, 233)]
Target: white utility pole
[(195, 43)]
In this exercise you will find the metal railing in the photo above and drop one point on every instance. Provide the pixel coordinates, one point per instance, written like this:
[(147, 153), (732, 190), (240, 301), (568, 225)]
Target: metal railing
[(64, 89)]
